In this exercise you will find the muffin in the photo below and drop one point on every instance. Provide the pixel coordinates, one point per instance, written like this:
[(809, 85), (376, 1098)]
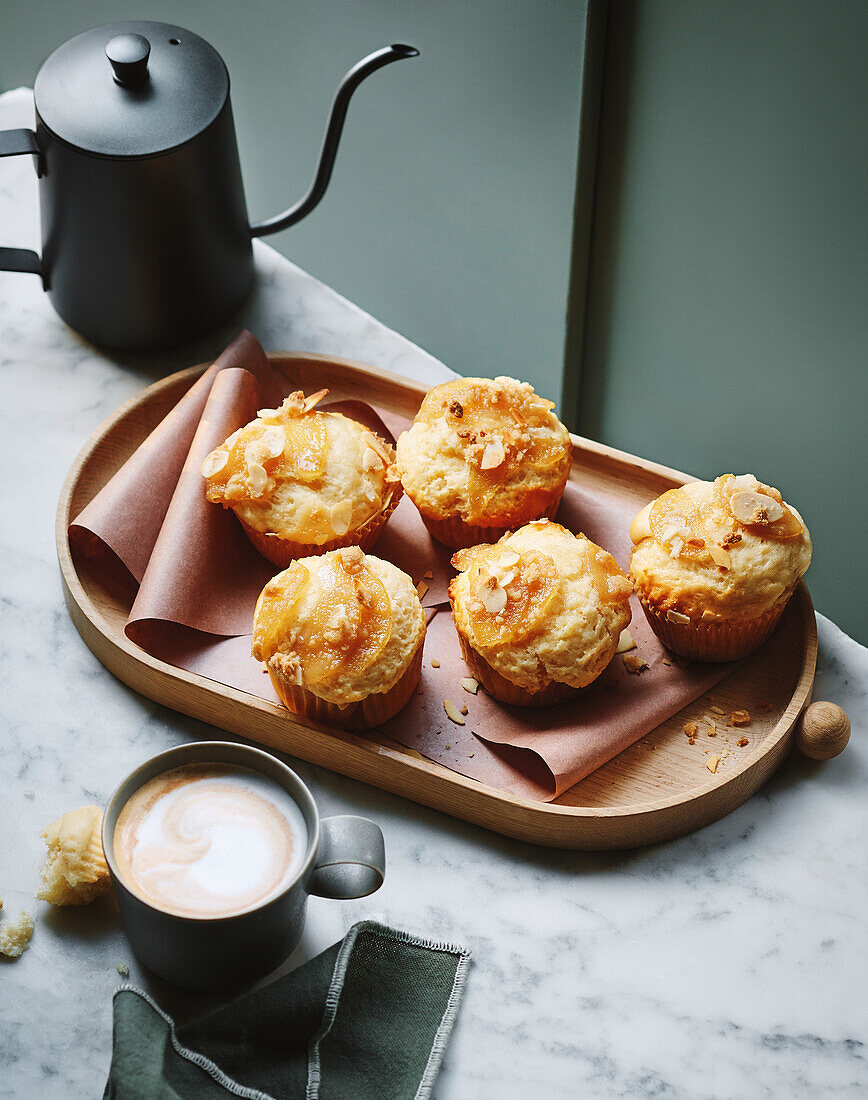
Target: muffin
[(483, 457), (341, 637), (714, 564), (303, 482), (75, 870), (539, 613)]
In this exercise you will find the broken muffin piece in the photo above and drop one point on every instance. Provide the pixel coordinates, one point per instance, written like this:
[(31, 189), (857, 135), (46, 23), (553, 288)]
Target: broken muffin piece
[(75, 870)]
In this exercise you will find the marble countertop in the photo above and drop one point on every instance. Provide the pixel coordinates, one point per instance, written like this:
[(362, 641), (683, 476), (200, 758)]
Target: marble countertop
[(731, 963)]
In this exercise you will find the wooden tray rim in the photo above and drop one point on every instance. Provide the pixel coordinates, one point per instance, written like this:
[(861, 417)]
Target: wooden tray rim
[(129, 652)]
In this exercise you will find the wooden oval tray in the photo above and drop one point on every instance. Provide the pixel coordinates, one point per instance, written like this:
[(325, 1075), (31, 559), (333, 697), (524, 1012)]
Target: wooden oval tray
[(657, 789)]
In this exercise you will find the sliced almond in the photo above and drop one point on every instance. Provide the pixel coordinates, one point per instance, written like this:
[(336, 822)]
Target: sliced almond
[(435, 663), (257, 479), (214, 463), (377, 445), (428, 575), (677, 545), (493, 597), (625, 642), (675, 531), (677, 618), (719, 556), (371, 460), (452, 712), (493, 455), (421, 589), (744, 481), (508, 559), (268, 414), (469, 684), (341, 516), (712, 762), (751, 508), (314, 399)]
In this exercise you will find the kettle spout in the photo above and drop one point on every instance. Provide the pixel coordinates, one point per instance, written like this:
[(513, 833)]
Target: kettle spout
[(335, 126)]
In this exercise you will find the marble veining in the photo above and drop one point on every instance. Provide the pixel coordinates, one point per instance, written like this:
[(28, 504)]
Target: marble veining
[(731, 963)]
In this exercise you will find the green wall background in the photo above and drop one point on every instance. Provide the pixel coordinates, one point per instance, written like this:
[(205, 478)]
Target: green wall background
[(450, 210), (727, 321), (726, 317)]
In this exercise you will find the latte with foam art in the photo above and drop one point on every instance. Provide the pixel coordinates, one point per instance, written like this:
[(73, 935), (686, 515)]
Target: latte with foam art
[(209, 840)]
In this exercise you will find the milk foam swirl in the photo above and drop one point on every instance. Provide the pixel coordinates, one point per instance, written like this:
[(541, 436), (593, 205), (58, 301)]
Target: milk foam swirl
[(209, 841)]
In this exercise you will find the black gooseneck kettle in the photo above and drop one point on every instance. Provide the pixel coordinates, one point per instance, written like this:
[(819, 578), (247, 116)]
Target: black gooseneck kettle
[(146, 241)]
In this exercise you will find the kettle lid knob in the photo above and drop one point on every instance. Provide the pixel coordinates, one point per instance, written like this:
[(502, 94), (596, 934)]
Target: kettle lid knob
[(128, 54)]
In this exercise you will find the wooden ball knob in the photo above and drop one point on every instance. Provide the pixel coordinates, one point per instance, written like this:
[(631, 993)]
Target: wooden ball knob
[(824, 731)]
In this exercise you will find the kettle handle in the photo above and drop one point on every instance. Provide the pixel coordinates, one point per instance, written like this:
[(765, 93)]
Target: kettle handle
[(14, 143), (323, 174)]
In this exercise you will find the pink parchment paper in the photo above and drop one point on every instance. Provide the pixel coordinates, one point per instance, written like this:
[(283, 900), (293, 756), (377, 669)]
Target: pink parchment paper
[(199, 577)]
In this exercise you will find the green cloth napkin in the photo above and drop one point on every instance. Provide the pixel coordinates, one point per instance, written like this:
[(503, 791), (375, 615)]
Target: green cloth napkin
[(368, 1018)]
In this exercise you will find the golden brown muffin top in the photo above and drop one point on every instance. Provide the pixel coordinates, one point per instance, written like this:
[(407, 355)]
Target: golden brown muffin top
[(488, 450), (718, 549)]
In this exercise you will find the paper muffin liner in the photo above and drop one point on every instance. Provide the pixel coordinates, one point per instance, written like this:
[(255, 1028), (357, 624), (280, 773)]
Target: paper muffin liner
[(505, 690), (283, 552), (363, 715), (715, 641), (456, 534), (94, 860)]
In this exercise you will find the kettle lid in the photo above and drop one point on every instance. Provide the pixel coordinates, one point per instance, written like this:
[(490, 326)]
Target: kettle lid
[(131, 89)]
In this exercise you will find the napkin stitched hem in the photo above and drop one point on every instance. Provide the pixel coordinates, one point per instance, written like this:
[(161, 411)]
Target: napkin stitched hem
[(339, 973), (205, 1064)]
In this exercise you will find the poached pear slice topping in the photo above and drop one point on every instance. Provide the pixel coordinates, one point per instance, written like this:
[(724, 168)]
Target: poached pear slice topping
[(345, 630), (497, 428), (507, 602), (290, 442), (275, 609), (676, 520), (759, 508), (611, 584)]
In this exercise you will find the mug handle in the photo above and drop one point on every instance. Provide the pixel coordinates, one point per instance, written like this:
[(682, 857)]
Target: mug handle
[(16, 143), (350, 860)]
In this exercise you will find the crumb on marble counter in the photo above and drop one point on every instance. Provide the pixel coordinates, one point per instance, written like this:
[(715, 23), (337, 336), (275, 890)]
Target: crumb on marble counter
[(15, 934)]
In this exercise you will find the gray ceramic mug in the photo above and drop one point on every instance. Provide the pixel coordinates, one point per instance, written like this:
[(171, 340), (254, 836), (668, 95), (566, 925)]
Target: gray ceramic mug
[(345, 858)]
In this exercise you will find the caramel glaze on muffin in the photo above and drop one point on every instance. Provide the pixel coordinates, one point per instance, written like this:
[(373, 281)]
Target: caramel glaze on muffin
[(341, 636), (538, 613), (304, 481), (483, 457)]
